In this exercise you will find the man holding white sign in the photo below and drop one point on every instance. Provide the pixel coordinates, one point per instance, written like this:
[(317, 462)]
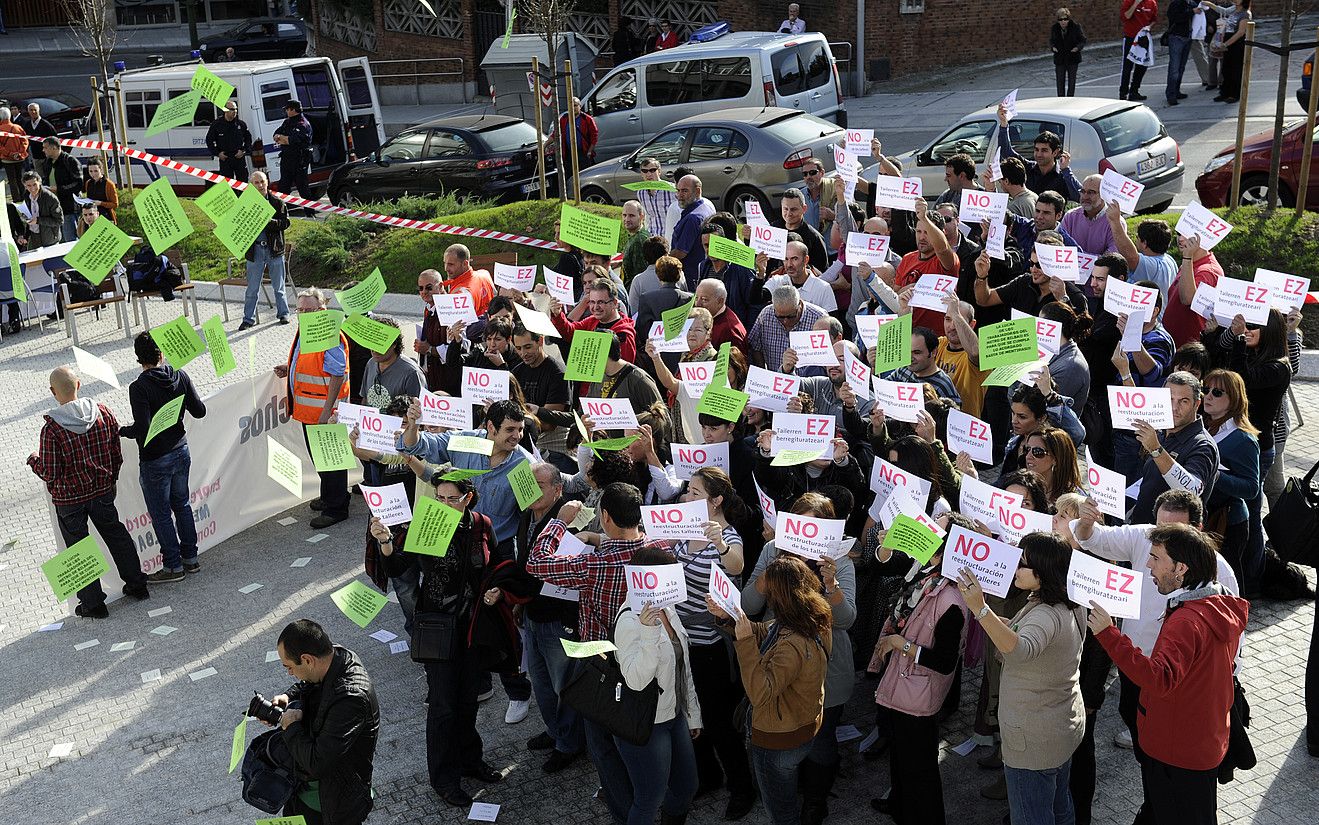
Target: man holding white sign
[(1199, 266), (1184, 456)]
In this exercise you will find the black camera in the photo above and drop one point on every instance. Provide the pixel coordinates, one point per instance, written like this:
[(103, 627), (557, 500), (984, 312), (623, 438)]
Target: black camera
[(260, 708)]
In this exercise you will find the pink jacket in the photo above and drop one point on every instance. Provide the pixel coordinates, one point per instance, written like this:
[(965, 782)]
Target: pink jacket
[(908, 686)]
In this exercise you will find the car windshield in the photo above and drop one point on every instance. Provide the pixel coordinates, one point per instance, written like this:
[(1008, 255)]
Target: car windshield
[(510, 137), (800, 129), (1128, 129)]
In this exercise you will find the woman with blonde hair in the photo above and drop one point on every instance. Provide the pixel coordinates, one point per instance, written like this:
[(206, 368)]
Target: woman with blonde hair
[(1226, 414)]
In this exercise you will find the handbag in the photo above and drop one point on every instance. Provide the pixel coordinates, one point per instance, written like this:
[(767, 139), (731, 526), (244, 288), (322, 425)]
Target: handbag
[(600, 693), (1216, 47), (1293, 521), (434, 637)]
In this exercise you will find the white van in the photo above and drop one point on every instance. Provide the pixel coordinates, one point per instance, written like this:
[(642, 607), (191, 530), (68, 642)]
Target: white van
[(643, 97), (340, 103)]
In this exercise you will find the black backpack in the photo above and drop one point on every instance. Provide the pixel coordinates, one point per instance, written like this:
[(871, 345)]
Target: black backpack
[(80, 289), (149, 272), (269, 779)]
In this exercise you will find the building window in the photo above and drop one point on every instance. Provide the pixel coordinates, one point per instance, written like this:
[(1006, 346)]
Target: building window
[(911, 6)]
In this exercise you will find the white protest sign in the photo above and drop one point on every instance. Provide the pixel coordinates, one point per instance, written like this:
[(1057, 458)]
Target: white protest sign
[(723, 592), (1015, 522), (856, 372), (556, 592), (1108, 488), (846, 164), (1202, 304), (770, 390), (94, 367), (867, 326), (1122, 298), (536, 321), (1086, 263), (683, 520), (754, 213), (993, 562), (767, 508), (696, 376), (446, 411), (995, 170), (389, 504), (559, 286), (1133, 335), (908, 502), (1048, 334), (886, 477), (482, 384), (794, 431), (858, 141), (769, 239), (981, 501), (966, 432), (930, 291), (659, 585), (511, 276), (899, 400), (459, 306), (350, 414), (1153, 405), (1010, 103), (1196, 220), (688, 458), (1059, 261), (677, 344), (979, 205), (1238, 297), (862, 246), (376, 431), (813, 348), (1118, 187), (1286, 291), (609, 413), (996, 243), (807, 536), (897, 193), (1113, 588)]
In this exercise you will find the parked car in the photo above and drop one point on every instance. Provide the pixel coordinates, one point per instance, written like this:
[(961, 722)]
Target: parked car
[(1214, 185), (69, 115), (738, 154), (488, 156), (1098, 133), (261, 38), (639, 99)]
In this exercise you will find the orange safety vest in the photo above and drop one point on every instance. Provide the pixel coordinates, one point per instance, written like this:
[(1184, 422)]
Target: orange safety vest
[(310, 384)]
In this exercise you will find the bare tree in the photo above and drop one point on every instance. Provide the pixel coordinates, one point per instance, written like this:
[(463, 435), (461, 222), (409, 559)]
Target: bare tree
[(549, 18), (96, 32)]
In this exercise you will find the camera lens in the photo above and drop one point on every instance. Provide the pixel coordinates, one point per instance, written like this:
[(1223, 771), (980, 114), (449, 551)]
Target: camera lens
[(260, 708)]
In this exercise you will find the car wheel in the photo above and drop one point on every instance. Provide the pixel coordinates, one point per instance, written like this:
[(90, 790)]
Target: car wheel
[(736, 202), (345, 197), (1255, 192), (593, 194)]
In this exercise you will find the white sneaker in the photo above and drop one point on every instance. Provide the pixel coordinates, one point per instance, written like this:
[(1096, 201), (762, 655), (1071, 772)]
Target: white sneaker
[(1123, 739), (517, 711), (484, 696)]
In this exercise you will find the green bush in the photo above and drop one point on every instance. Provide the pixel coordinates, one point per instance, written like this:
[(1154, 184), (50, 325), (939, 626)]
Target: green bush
[(416, 207)]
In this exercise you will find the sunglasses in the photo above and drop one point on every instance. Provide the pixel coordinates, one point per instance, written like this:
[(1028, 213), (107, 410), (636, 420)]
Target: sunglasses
[(1036, 452), (1216, 392), (655, 169), (426, 288), (810, 173)]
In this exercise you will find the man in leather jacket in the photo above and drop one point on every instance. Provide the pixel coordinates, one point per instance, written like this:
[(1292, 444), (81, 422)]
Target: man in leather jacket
[(332, 735)]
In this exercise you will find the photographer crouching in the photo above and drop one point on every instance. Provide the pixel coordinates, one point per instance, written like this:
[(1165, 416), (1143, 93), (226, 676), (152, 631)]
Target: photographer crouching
[(330, 720)]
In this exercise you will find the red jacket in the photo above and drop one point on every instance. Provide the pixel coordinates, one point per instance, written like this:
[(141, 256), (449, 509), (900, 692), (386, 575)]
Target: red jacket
[(1146, 13), (1186, 682), (624, 328), (588, 134)]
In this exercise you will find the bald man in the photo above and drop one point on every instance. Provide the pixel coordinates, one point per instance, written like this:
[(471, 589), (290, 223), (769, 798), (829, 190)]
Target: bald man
[(686, 242), (1087, 224), (79, 459)]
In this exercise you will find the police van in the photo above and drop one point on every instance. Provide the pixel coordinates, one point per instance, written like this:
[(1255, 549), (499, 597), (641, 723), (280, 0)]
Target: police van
[(339, 100)]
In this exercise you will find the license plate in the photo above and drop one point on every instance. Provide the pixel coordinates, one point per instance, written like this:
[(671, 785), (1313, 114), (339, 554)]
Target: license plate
[(1147, 166), (534, 186)]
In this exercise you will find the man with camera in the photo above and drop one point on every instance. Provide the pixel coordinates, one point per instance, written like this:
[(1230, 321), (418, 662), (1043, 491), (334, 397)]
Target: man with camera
[(331, 721)]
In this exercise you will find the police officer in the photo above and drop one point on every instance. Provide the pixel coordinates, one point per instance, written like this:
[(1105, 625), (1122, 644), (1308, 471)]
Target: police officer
[(294, 135), (229, 141)]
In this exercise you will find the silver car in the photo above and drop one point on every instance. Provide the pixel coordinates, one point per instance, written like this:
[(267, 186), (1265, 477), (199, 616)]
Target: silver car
[(738, 154), (1098, 133)]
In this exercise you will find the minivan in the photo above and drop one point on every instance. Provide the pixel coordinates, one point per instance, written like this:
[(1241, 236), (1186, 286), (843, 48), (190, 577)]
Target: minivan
[(641, 98)]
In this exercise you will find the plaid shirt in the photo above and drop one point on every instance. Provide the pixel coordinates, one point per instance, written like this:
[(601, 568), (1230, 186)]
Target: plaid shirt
[(78, 468), (769, 340), (598, 576)]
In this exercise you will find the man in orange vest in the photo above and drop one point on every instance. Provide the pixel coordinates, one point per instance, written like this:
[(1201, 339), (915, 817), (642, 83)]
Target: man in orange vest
[(459, 276), (317, 381)]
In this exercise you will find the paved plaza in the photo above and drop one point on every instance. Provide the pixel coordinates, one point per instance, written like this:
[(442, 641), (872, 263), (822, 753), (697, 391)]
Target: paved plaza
[(156, 752)]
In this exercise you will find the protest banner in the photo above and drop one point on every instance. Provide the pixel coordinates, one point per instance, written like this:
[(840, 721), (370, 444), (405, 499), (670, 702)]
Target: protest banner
[(993, 562), (966, 432), (1116, 589), (658, 585), (681, 520), (807, 536), (688, 458), (1127, 405)]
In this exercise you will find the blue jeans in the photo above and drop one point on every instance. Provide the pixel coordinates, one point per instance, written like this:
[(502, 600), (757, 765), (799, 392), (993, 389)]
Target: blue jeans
[(1040, 797), (1252, 561), (615, 782), (70, 227), (1179, 50), (262, 261), (776, 773), (550, 669), (663, 771), (165, 487)]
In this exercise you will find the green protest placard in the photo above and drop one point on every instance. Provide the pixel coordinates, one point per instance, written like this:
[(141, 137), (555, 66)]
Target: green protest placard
[(359, 602), (1010, 374), (284, 820), (75, 568), (587, 356), (432, 527), (167, 416), (589, 231), (217, 201), (162, 216), (525, 487), (720, 377), (722, 402), (239, 745), (657, 185), (217, 344), (612, 444), (363, 297), (1008, 342), (373, 335), (907, 535), (318, 331), (245, 222), (471, 444), (460, 473), (585, 650), (19, 286), (790, 458), (893, 350), (330, 448), (283, 466), (508, 32), (735, 253), (177, 111), (178, 342), (211, 86), (673, 319), (98, 250)]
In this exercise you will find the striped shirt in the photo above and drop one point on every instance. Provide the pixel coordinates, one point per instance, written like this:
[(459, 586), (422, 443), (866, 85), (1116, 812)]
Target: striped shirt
[(693, 612)]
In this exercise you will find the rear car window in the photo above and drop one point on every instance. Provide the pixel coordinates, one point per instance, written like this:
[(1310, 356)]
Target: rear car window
[(1128, 129), (509, 138), (800, 129), (697, 81)]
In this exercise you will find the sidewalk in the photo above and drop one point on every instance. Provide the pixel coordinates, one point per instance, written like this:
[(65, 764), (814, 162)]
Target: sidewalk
[(58, 40)]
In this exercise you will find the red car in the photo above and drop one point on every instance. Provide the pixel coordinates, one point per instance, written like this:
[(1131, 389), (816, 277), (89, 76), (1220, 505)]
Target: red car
[(1215, 183)]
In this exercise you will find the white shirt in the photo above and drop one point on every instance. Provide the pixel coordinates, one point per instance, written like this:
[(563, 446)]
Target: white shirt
[(814, 291), (793, 26)]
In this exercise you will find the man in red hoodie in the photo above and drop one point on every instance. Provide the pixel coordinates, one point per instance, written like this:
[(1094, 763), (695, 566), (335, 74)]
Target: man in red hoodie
[(1186, 687), (1136, 15)]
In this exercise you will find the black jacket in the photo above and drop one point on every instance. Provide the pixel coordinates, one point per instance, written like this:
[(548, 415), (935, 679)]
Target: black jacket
[(149, 392), (335, 741), (298, 150), (541, 608), (228, 136), (1062, 43), (68, 179), (1180, 15), (274, 232)]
